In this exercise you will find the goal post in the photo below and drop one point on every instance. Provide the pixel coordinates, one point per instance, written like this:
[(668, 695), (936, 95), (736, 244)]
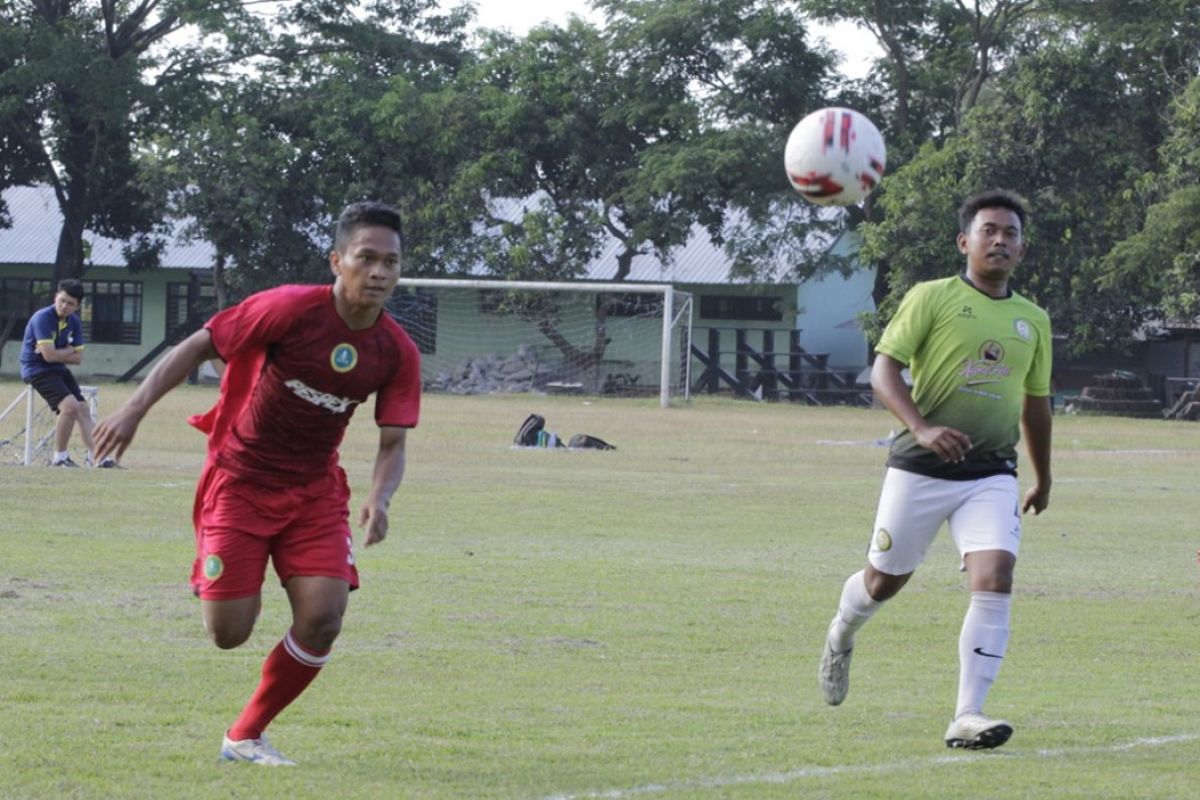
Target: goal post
[(497, 337)]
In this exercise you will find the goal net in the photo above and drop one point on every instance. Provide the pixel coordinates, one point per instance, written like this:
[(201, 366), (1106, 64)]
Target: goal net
[(499, 337), (27, 427)]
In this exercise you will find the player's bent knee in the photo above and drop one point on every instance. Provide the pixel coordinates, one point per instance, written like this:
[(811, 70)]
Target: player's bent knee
[(229, 630), (69, 407), (318, 632), (998, 584), (882, 586), (991, 571), (229, 638)]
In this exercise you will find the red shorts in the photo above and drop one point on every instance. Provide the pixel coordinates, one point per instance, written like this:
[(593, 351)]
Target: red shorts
[(304, 530)]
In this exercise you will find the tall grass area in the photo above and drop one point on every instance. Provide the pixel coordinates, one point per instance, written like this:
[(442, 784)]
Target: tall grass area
[(644, 622)]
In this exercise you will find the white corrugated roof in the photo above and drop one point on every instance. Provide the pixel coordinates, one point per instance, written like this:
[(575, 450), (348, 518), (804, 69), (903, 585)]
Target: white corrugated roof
[(697, 261), (37, 222)]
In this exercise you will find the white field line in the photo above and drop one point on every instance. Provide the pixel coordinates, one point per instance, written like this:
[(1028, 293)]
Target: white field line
[(795, 775), (1135, 452)]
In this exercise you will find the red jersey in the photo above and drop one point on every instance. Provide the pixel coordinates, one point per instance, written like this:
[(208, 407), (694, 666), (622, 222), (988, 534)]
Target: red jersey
[(315, 371)]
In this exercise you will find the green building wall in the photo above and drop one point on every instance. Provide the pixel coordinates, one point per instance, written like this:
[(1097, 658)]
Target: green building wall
[(103, 360)]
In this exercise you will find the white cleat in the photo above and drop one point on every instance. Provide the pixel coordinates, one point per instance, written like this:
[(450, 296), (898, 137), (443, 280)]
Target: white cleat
[(977, 732), (834, 674), (255, 751)]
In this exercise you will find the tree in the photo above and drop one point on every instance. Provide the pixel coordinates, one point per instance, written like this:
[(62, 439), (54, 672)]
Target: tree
[(232, 180), (669, 117), (264, 161), (1075, 126), (938, 57), (901, 30), (81, 85), (1158, 267)]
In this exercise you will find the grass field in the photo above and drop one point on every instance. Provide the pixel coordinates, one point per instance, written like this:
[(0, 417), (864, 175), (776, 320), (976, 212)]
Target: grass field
[(628, 624)]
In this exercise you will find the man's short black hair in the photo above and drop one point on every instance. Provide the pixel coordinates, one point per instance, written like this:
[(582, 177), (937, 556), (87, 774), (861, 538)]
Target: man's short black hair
[(358, 215), (992, 198), (72, 287)]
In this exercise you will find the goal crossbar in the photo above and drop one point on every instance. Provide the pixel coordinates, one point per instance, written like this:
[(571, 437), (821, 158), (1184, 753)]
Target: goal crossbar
[(469, 283)]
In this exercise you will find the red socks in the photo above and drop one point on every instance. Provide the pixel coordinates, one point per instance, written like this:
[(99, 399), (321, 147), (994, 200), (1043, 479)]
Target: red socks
[(286, 673)]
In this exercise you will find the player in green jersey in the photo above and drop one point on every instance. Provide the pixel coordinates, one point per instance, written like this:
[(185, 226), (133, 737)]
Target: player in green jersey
[(980, 358)]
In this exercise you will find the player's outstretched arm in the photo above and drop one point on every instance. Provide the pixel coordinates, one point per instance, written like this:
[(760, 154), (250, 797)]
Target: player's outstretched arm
[(1037, 420), (889, 387), (389, 471), (113, 435)]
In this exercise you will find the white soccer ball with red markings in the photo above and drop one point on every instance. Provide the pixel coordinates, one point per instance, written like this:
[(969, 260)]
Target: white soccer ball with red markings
[(835, 157)]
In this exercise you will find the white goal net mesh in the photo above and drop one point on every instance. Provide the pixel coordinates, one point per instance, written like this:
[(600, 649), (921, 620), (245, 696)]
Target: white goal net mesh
[(27, 427), (491, 337)]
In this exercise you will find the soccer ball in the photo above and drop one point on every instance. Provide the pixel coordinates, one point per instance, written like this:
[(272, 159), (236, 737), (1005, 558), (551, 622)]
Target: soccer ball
[(834, 156)]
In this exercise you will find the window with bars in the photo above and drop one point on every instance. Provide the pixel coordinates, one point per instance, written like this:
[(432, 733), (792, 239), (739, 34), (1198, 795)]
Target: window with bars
[(178, 304), (631, 305), (742, 307), (112, 312), (19, 298)]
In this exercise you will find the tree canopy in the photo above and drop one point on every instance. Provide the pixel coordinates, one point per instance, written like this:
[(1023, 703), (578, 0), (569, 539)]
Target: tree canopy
[(82, 86), (1077, 121), (517, 156)]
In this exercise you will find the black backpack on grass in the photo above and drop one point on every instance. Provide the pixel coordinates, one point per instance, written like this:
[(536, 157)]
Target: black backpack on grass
[(582, 440), (527, 434)]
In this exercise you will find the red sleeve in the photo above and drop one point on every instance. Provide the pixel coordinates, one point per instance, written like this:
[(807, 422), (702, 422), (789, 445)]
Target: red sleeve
[(398, 403), (258, 320)]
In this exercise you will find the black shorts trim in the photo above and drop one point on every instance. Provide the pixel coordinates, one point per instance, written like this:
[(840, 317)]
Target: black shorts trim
[(953, 472)]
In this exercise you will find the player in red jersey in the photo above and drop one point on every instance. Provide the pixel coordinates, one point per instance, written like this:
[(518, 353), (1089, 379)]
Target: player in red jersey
[(299, 360)]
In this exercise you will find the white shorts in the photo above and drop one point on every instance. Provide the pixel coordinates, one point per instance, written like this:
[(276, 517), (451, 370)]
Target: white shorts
[(984, 514)]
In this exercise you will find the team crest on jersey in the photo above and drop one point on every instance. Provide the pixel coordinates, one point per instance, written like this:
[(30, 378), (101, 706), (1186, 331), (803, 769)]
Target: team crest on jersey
[(883, 540), (213, 567), (343, 358), (991, 350), (1023, 329)]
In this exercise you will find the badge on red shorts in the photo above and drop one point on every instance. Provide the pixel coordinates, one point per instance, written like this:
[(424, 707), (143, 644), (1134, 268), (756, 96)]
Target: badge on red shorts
[(213, 567)]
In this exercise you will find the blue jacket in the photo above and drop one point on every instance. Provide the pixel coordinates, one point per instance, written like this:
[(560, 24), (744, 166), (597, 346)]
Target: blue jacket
[(45, 326)]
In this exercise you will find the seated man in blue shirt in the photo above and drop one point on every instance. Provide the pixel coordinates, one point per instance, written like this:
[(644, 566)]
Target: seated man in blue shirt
[(54, 339)]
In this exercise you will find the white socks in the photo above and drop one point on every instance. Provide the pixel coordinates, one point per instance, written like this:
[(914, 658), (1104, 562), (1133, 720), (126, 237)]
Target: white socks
[(981, 647), (981, 644), (61, 455), (855, 608)]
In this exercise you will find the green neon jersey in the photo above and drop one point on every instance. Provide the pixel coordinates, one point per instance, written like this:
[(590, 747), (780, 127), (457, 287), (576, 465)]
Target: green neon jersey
[(973, 359)]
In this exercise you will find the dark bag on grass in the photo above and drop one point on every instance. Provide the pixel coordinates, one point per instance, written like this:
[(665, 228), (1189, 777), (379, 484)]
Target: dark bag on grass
[(585, 441), (527, 434)]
